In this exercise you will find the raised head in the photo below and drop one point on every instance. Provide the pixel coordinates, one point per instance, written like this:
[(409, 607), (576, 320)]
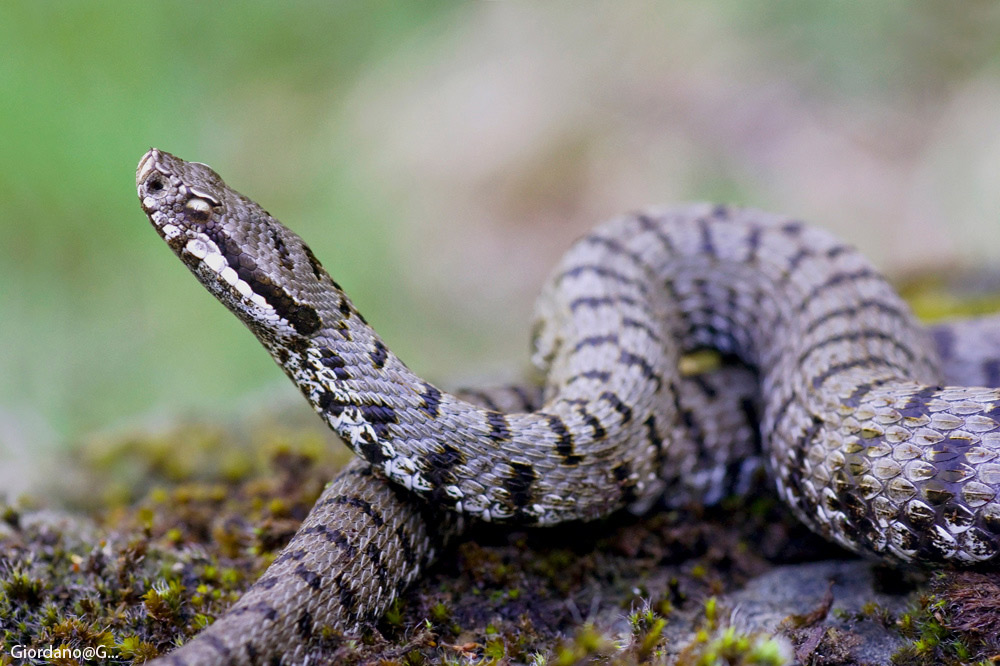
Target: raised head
[(258, 268)]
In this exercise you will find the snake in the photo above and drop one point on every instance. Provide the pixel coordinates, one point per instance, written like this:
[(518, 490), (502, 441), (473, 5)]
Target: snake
[(846, 400)]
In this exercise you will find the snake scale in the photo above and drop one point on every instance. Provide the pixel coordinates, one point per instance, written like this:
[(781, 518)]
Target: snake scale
[(864, 440)]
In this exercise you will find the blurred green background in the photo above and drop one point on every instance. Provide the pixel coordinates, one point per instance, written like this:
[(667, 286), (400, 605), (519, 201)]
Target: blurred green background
[(438, 156)]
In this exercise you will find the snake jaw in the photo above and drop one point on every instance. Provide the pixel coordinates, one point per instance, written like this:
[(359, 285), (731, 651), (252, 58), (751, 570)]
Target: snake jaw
[(180, 212)]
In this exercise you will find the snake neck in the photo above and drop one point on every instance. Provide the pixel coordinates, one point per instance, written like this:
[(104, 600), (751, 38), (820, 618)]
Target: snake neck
[(343, 370), (432, 442)]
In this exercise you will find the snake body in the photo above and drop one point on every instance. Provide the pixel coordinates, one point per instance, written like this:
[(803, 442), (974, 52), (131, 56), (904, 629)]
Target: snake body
[(863, 441)]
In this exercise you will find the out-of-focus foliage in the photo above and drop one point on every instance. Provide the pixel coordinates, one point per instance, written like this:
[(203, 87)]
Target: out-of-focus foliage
[(97, 319)]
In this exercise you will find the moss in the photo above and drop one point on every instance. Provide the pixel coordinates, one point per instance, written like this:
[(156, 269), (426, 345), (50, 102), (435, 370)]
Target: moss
[(21, 588), (163, 553), (143, 573), (585, 644), (715, 645), (957, 622)]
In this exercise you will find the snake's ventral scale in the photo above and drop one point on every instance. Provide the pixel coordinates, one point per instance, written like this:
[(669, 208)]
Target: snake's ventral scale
[(863, 442)]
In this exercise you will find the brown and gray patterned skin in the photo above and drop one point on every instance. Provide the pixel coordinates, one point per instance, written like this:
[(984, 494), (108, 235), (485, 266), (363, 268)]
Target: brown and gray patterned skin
[(356, 550), (864, 444)]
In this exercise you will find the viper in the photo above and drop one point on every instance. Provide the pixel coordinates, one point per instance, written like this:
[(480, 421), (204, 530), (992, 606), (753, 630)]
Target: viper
[(848, 404)]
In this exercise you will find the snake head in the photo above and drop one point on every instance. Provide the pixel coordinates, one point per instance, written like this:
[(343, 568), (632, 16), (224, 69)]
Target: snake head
[(259, 269)]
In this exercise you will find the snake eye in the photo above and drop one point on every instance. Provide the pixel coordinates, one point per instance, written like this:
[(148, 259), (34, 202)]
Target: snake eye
[(155, 186)]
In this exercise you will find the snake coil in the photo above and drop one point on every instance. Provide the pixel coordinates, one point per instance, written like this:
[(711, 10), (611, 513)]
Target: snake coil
[(863, 441)]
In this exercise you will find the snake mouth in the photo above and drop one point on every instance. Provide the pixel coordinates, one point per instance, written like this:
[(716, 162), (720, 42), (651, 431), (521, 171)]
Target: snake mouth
[(152, 181)]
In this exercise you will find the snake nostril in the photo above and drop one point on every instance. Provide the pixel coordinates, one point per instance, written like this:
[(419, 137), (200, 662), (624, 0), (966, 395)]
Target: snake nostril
[(154, 185)]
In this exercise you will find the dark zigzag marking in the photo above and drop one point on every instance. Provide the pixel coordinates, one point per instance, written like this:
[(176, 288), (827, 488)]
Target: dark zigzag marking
[(628, 358), (311, 578), (405, 546), (431, 400), (792, 227), (793, 264), (709, 313), (263, 608), (440, 464), (622, 471), (916, 406), (818, 380), (753, 244), (598, 301), (858, 394), (284, 256), (629, 322), (706, 244), (379, 354), (564, 443), (267, 582), (694, 430), (654, 438), (838, 250), (499, 428), (216, 644), (290, 554), (671, 288), (837, 279), (619, 406), (852, 310), (329, 403), (854, 336), (519, 482), (601, 271), (724, 341), (600, 432), (596, 375), (596, 340), (687, 420), (779, 414), (375, 555), (347, 599), (317, 268), (329, 359), (333, 536), (304, 625), (649, 224), (379, 417), (615, 246), (302, 317), (358, 503)]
